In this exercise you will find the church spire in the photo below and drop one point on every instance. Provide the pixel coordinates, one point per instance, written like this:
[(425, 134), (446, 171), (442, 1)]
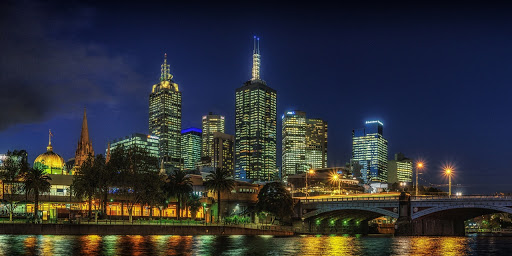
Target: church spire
[(256, 59), (84, 148), (165, 73)]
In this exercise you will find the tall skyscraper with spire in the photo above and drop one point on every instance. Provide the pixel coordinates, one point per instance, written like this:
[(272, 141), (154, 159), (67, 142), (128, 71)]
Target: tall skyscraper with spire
[(84, 147), (165, 117), (255, 126)]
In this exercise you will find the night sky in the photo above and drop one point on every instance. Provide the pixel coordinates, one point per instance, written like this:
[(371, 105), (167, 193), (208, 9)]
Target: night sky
[(438, 76)]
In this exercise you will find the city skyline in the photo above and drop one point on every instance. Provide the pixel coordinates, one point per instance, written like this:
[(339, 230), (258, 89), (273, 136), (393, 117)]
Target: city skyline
[(417, 126)]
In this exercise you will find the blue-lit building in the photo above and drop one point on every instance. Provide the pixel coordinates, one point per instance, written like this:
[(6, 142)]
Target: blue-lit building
[(370, 151), (191, 147)]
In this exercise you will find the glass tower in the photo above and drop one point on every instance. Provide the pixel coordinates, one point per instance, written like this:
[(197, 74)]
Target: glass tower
[(400, 169), (223, 151), (316, 143), (165, 117), (255, 126), (148, 142), (370, 150), (294, 143), (211, 123), (191, 151)]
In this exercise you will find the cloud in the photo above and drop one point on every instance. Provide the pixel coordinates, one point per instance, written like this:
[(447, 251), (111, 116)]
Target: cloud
[(46, 71)]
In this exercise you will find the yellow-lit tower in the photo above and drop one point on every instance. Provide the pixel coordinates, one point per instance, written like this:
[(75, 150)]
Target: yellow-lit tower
[(255, 126), (165, 117)]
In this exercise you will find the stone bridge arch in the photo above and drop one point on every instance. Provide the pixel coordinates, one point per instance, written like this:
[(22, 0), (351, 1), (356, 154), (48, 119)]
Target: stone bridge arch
[(359, 212), (476, 210)]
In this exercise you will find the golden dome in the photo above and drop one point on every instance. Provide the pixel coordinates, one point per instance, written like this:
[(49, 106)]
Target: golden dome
[(51, 161)]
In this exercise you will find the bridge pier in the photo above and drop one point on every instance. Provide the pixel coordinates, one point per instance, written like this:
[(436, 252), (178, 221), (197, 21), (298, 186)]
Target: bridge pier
[(438, 227), (403, 225)]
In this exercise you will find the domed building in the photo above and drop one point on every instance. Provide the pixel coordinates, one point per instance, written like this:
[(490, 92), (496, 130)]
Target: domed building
[(50, 162)]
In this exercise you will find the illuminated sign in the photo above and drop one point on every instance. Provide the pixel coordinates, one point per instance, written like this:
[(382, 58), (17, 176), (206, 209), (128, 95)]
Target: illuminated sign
[(373, 122), (290, 113), (153, 137)]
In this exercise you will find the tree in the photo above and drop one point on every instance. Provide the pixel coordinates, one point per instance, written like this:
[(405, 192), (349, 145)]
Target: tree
[(275, 199), (193, 201), (85, 182), (179, 186), (151, 191), (11, 174), (36, 181), (218, 181), (132, 165)]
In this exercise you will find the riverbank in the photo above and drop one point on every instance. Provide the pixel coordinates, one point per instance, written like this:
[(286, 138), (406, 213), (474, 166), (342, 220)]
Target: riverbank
[(93, 229)]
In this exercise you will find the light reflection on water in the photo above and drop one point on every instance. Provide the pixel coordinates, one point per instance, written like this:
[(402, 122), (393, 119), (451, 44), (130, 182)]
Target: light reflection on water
[(251, 245)]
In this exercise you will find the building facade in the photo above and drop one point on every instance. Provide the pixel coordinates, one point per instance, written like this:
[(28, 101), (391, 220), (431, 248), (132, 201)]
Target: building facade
[(255, 127), (165, 117), (304, 143), (150, 143), (370, 150), (223, 151), (294, 143), (400, 169), (316, 143), (211, 123), (191, 147)]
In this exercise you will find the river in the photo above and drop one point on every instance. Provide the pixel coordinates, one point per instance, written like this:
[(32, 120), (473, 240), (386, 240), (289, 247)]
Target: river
[(253, 245)]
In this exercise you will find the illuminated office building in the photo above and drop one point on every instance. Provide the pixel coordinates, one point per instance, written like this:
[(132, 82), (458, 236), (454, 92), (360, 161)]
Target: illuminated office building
[(150, 143), (316, 143), (165, 117), (191, 147), (211, 124), (370, 150), (304, 143), (400, 169), (223, 151), (294, 143), (255, 126)]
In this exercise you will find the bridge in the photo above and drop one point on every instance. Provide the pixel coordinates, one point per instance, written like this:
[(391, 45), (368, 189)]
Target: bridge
[(416, 215)]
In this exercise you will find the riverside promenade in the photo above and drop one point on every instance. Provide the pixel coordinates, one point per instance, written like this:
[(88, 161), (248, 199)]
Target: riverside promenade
[(140, 229)]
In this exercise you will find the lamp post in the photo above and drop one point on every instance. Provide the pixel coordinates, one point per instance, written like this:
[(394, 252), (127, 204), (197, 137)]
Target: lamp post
[(418, 167), (449, 172), (337, 178), (312, 172)]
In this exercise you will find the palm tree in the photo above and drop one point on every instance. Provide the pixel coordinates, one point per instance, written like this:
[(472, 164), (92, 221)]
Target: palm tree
[(179, 186), (36, 181), (218, 181), (11, 174), (85, 182), (194, 204)]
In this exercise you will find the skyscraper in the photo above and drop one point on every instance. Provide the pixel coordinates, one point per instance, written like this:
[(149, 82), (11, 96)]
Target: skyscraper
[(304, 143), (191, 147), (211, 123), (165, 117), (370, 150), (400, 169), (255, 126), (84, 147), (150, 143), (316, 143), (294, 143), (223, 151)]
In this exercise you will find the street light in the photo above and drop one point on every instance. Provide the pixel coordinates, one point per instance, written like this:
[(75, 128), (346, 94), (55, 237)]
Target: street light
[(402, 184), (419, 166), (312, 172), (449, 172), (335, 177)]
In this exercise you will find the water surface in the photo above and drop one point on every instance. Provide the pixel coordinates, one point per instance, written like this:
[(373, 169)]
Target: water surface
[(252, 245)]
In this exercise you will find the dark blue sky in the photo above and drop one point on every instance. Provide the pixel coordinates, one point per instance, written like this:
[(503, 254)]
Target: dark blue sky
[(437, 76)]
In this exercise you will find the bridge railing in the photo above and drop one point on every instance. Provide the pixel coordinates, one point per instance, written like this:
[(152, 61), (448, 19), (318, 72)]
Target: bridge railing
[(472, 197), (350, 199)]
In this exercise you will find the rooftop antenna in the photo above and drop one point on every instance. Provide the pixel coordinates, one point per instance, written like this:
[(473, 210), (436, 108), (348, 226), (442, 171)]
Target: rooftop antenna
[(256, 59)]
